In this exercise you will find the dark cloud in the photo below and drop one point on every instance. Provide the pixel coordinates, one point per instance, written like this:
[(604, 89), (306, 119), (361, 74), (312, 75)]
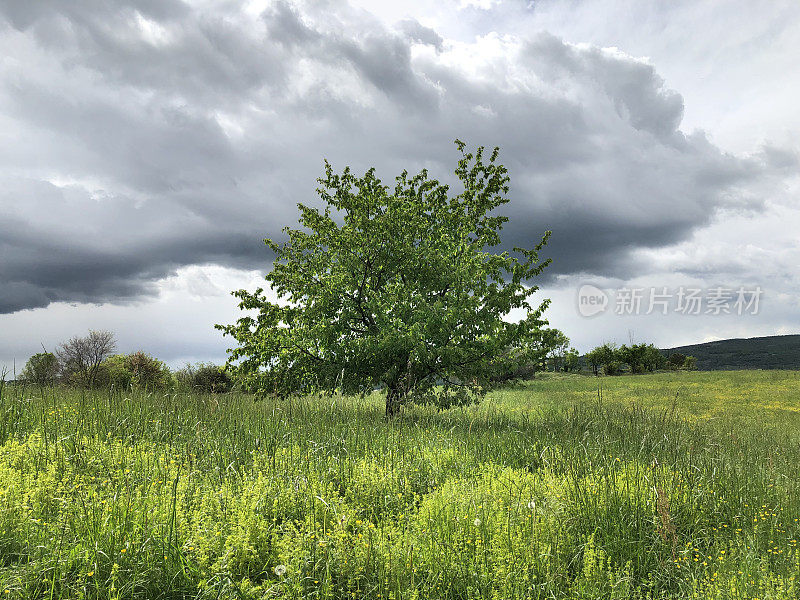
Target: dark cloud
[(145, 136), (49, 13), (78, 248), (416, 32)]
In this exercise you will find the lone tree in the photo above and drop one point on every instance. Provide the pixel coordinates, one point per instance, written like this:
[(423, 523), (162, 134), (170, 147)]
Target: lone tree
[(81, 357), (396, 289)]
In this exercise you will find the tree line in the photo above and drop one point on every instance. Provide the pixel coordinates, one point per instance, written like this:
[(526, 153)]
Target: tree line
[(91, 361), (636, 358)]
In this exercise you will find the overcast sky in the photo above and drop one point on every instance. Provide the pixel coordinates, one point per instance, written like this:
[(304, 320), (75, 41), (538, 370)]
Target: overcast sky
[(148, 146)]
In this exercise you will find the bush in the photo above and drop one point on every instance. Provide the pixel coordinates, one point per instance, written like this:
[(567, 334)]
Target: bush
[(681, 361), (638, 357), (113, 373), (148, 372), (138, 370), (206, 378), (641, 357)]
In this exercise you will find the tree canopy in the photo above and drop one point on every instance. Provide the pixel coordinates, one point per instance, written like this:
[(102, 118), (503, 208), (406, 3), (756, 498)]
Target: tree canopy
[(398, 288), (42, 369)]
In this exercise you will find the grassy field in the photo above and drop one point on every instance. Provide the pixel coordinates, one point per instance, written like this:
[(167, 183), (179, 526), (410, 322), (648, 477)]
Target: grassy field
[(668, 485)]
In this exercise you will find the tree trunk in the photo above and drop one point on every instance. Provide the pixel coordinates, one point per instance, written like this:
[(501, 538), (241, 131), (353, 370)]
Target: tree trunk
[(392, 402)]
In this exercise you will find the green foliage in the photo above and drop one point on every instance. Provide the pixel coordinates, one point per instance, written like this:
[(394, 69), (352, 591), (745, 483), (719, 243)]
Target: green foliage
[(641, 357), (612, 367), (211, 379), (605, 356), (394, 288), (557, 344), (114, 372), (135, 495), (572, 361), (205, 378), (138, 370), (148, 373), (560, 355), (42, 369), (549, 348), (676, 360)]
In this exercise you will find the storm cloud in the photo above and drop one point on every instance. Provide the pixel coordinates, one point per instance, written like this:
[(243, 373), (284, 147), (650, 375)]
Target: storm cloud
[(145, 136)]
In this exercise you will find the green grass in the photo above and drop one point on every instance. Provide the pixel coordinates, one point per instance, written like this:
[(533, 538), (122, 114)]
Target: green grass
[(770, 398), (668, 485)]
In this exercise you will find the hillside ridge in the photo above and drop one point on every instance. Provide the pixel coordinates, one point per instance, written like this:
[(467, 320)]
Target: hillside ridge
[(766, 352)]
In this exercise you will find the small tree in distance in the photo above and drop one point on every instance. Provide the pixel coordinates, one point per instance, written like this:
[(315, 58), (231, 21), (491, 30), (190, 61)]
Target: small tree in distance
[(606, 356), (81, 357), (676, 360), (572, 361), (398, 289), (41, 369), (558, 343)]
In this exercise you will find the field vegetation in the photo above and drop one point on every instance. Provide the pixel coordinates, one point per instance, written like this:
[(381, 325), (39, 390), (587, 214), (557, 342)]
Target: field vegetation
[(679, 485)]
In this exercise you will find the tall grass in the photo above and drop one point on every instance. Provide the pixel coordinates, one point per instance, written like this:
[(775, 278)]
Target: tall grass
[(549, 491)]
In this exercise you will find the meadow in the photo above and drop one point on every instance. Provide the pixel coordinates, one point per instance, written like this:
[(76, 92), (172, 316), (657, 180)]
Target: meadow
[(670, 485)]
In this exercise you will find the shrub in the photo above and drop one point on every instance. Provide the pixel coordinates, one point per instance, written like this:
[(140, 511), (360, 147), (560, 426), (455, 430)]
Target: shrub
[(211, 379), (113, 373), (148, 372), (138, 370), (638, 357), (641, 357), (206, 378), (681, 361)]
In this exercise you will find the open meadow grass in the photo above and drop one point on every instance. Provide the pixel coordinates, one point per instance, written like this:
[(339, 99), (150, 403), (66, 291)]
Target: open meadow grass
[(678, 485)]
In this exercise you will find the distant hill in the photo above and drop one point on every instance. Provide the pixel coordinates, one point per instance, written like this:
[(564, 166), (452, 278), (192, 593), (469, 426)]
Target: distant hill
[(772, 352)]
